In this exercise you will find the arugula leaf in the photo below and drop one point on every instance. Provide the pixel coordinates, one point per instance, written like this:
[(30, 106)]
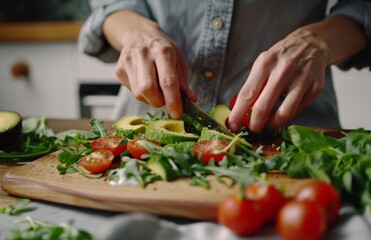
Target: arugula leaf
[(98, 127), (133, 172), (240, 176), (73, 148), (37, 229), (17, 208)]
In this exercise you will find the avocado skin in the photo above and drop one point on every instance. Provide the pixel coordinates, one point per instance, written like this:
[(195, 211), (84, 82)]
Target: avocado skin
[(9, 138)]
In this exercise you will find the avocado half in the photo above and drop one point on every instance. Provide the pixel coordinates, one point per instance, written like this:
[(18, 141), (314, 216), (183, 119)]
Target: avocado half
[(10, 129), (167, 131)]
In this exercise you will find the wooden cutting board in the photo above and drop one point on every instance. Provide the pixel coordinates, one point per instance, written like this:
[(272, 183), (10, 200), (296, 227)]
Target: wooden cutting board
[(40, 180)]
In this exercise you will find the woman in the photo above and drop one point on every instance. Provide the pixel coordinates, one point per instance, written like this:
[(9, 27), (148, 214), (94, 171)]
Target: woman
[(274, 54)]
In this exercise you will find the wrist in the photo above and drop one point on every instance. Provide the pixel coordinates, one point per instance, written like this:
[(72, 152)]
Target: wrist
[(315, 45), (337, 37)]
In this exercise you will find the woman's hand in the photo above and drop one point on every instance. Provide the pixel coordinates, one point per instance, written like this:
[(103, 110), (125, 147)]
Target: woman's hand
[(150, 64), (294, 70)]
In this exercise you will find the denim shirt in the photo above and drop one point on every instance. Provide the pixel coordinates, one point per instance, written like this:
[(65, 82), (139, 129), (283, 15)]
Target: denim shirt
[(220, 39)]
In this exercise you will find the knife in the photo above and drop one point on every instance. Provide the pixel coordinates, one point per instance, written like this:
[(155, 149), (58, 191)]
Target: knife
[(203, 117)]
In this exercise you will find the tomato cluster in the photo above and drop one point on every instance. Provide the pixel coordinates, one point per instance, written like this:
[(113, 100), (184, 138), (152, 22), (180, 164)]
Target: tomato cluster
[(99, 160), (306, 216)]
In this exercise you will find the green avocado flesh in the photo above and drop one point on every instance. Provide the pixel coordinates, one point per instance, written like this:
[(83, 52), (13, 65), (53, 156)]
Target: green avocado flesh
[(134, 123), (220, 113), (168, 131), (161, 167), (10, 129)]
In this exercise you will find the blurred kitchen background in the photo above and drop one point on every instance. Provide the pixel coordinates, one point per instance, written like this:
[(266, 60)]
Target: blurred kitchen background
[(42, 71)]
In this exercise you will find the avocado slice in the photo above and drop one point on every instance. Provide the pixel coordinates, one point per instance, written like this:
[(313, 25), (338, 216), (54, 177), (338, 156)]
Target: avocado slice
[(166, 131), (10, 129), (161, 166), (220, 113), (128, 122)]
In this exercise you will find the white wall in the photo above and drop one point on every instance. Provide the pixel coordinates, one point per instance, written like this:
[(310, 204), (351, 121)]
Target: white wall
[(353, 90)]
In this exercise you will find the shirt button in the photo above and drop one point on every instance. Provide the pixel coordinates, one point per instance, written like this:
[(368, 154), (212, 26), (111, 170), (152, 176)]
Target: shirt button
[(208, 74), (217, 23)]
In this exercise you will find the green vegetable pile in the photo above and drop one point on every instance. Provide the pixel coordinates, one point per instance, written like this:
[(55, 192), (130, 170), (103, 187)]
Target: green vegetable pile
[(37, 229), (344, 162)]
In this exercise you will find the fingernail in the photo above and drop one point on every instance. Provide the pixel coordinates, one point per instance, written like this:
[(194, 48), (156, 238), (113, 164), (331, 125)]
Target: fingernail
[(175, 115), (234, 127)]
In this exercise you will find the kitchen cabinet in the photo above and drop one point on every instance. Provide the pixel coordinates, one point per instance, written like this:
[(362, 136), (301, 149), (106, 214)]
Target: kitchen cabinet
[(49, 88)]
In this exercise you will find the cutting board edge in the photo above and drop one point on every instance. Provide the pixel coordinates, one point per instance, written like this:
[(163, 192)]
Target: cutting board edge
[(191, 210)]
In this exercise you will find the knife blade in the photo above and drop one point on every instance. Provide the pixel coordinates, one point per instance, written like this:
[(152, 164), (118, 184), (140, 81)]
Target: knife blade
[(203, 117)]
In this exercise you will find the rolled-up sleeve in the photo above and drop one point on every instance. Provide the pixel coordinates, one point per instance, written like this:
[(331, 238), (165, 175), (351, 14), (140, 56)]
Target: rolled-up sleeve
[(91, 38), (360, 12)]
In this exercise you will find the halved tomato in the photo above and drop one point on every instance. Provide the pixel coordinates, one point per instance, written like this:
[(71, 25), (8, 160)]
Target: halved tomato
[(211, 149), (98, 161), (110, 143), (137, 150)]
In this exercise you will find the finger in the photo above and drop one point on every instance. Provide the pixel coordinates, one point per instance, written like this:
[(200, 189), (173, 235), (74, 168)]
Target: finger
[(124, 61), (288, 108), (250, 90), (146, 85), (281, 78), (302, 92), (183, 74), (310, 95), (127, 73), (169, 81)]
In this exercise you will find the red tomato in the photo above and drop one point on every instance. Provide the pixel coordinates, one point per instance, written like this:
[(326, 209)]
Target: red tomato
[(232, 101), (136, 150), (110, 143), (242, 216), (268, 197), (246, 120), (210, 149), (323, 193), (98, 161), (304, 220)]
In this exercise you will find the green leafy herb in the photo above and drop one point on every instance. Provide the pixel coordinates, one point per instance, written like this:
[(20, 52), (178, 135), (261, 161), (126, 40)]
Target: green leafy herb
[(132, 172), (72, 149), (98, 127), (37, 229), (36, 140), (344, 162), (17, 208)]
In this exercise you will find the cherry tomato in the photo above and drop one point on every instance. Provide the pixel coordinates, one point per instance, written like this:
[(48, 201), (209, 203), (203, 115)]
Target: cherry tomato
[(136, 150), (110, 143), (304, 220), (246, 120), (268, 197), (98, 161), (242, 216), (232, 101), (323, 193), (210, 149)]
